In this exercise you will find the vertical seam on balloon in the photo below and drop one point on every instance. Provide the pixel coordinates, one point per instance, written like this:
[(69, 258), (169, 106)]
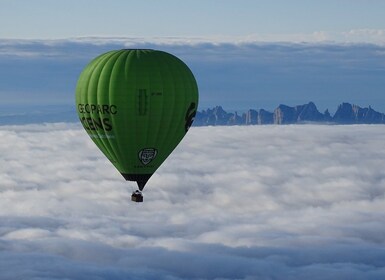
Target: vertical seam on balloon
[(138, 83), (131, 56), (147, 64), (166, 126), (163, 133), (91, 96), (192, 88), (180, 84), (105, 141), (188, 83), (115, 148), (160, 77)]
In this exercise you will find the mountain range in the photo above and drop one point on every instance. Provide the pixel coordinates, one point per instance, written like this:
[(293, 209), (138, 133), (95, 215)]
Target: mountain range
[(308, 113)]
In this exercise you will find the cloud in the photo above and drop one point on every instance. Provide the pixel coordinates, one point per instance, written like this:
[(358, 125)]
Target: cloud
[(255, 202), (237, 75), (365, 35)]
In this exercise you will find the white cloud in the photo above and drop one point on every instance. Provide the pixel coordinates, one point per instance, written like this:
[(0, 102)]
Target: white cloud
[(374, 36), (292, 202)]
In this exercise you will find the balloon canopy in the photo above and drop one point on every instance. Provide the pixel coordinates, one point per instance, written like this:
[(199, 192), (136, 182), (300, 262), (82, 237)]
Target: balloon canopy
[(136, 105)]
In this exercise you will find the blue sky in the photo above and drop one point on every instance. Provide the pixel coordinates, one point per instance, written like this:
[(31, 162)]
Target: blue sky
[(276, 19), (237, 76), (245, 54)]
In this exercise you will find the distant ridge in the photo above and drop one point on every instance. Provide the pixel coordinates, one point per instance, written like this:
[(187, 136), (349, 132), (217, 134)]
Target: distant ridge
[(308, 113), (283, 114)]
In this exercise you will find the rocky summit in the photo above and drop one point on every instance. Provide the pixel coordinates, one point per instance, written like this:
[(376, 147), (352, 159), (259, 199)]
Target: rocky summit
[(308, 113)]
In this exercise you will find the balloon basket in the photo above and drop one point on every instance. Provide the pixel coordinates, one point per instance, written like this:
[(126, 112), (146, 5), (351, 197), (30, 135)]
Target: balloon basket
[(137, 196)]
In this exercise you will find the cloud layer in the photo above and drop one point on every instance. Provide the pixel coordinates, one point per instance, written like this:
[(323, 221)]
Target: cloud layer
[(237, 75), (258, 202)]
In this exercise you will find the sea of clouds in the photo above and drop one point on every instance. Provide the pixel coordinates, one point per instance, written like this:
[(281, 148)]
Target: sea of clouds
[(250, 202)]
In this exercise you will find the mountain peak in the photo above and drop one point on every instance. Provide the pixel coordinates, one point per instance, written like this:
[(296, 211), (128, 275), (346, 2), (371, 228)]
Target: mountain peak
[(346, 114)]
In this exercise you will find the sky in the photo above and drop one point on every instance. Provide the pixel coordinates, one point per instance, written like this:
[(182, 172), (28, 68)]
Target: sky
[(246, 202), (245, 54), (277, 19), (237, 76)]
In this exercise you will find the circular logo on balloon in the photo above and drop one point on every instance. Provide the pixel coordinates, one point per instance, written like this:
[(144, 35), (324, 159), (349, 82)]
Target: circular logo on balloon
[(146, 155)]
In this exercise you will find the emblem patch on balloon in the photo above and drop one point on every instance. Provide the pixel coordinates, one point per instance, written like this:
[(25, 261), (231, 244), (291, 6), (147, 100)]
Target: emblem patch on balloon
[(146, 155)]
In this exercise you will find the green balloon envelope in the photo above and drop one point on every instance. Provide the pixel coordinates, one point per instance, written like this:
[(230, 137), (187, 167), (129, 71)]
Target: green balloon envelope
[(136, 105)]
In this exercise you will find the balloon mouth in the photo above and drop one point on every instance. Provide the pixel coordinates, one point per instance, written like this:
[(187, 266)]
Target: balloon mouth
[(141, 179)]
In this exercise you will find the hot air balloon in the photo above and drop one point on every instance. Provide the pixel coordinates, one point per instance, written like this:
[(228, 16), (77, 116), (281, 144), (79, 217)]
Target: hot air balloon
[(136, 105)]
